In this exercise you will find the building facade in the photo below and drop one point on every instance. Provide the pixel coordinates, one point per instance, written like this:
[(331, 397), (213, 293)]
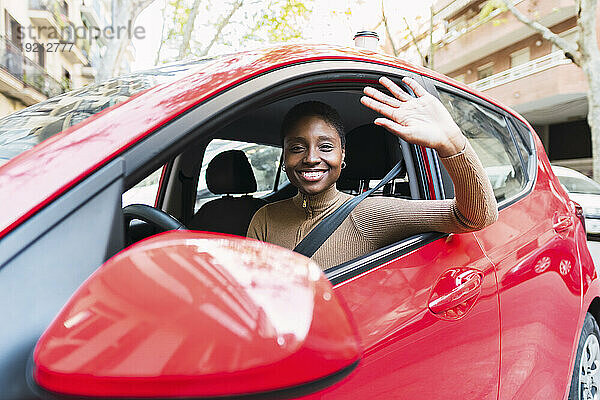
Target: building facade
[(45, 48), (490, 50)]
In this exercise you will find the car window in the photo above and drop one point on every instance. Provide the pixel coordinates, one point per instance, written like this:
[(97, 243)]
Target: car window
[(524, 142), (22, 130), (144, 192), (488, 133), (264, 160)]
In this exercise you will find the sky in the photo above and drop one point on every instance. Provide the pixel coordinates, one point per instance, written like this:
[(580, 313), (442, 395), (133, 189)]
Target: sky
[(328, 23)]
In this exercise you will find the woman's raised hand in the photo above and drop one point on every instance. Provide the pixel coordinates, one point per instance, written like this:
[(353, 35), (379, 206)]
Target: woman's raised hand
[(422, 120)]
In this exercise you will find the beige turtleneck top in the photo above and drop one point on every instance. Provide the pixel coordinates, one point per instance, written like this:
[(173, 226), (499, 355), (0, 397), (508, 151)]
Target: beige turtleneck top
[(379, 221)]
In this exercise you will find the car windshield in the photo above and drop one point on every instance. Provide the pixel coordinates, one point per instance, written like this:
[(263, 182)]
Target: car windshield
[(579, 185), (24, 129)]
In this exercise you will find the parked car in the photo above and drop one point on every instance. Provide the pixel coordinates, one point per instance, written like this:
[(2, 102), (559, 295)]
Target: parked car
[(103, 301), (584, 191)]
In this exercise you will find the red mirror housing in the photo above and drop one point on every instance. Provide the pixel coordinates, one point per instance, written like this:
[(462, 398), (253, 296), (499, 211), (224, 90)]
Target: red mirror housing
[(189, 314)]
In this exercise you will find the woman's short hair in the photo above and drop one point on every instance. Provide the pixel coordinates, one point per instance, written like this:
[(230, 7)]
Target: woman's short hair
[(313, 109)]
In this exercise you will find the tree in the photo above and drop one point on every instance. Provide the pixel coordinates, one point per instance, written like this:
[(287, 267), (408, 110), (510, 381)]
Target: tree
[(419, 40), (188, 28), (585, 54), (197, 29), (123, 13)]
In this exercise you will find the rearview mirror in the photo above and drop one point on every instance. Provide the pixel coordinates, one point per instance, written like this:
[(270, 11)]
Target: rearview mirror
[(189, 314)]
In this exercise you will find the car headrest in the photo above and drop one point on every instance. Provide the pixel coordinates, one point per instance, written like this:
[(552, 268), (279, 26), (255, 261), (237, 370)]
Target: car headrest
[(230, 173), (371, 152)]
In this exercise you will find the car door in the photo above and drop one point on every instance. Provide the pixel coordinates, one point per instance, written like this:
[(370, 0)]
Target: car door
[(533, 250), (409, 351), (427, 313)]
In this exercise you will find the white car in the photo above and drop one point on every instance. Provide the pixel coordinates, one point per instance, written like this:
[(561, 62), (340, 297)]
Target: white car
[(584, 191)]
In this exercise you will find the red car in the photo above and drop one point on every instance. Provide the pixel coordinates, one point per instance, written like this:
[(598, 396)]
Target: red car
[(166, 300)]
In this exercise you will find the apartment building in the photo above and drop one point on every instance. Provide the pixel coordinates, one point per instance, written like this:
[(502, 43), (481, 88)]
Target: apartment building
[(33, 64), (493, 52)]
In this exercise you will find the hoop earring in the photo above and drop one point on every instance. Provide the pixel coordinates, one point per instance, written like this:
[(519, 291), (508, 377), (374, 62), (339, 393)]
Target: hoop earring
[(343, 164), (283, 167)]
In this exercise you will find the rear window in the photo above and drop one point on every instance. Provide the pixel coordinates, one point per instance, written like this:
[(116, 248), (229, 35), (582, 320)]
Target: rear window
[(263, 159), (488, 133), (24, 129)]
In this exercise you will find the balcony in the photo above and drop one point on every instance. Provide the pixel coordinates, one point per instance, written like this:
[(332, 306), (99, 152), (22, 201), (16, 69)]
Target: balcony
[(547, 90), (49, 13), (22, 78), (532, 67), (445, 9), (79, 53), (476, 39), (93, 12)]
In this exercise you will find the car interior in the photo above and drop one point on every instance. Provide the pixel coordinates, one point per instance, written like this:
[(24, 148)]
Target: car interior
[(218, 182)]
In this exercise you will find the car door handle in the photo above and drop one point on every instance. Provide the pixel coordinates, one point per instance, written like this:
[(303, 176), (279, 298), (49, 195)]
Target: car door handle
[(461, 285), (562, 224)]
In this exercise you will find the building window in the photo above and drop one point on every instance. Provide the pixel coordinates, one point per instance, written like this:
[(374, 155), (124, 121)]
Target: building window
[(14, 31), (40, 55), (485, 70), (12, 60), (519, 57)]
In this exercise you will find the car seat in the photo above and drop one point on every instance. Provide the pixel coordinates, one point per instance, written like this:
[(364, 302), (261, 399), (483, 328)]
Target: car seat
[(371, 152), (227, 174)]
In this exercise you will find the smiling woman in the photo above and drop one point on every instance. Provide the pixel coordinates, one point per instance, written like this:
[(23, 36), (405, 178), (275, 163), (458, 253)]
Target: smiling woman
[(313, 156), (313, 141)]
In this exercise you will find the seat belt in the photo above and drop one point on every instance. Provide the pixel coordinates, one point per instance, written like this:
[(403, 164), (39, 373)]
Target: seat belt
[(319, 234)]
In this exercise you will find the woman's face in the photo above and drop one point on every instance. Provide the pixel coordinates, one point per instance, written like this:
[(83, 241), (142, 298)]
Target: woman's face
[(312, 155)]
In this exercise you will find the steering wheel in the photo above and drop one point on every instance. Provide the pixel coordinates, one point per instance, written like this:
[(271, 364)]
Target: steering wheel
[(150, 215)]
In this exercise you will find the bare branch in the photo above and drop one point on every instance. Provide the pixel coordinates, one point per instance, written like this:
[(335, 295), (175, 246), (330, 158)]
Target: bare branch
[(221, 26), (414, 40), (139, 6), (162, 34), (187, 30), (387, 30), (377, 26), (569, 48)]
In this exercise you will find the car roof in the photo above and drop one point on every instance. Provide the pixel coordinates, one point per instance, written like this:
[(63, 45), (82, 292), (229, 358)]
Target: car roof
[(57, 164)]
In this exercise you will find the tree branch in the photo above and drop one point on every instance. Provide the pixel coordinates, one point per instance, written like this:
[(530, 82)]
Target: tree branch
[(187, 30), (414, 40), (162, 34), (387, 30), (221, 26), (569, 48)]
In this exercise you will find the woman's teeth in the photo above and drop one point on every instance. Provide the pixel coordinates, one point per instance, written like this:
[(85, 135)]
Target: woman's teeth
[(312, 175)]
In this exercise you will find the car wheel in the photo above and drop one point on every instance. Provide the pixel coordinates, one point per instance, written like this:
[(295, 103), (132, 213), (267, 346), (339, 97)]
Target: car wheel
[(585, 382)]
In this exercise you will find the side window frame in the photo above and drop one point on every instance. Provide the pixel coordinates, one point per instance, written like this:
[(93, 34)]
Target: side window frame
[(169, 141), (445, 177), (524, 133)]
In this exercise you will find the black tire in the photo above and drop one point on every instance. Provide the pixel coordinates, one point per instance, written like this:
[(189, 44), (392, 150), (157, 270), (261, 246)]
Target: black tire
[(590, 328)]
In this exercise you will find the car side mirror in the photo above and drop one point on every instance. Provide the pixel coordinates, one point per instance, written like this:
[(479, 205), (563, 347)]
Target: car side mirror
[(190, 314)]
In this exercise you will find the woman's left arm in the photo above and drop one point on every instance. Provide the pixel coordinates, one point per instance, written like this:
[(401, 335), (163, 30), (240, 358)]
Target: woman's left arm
[(425, 121)]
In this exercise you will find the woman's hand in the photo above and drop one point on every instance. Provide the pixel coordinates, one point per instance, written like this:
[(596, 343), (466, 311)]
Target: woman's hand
[(422, 120)]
